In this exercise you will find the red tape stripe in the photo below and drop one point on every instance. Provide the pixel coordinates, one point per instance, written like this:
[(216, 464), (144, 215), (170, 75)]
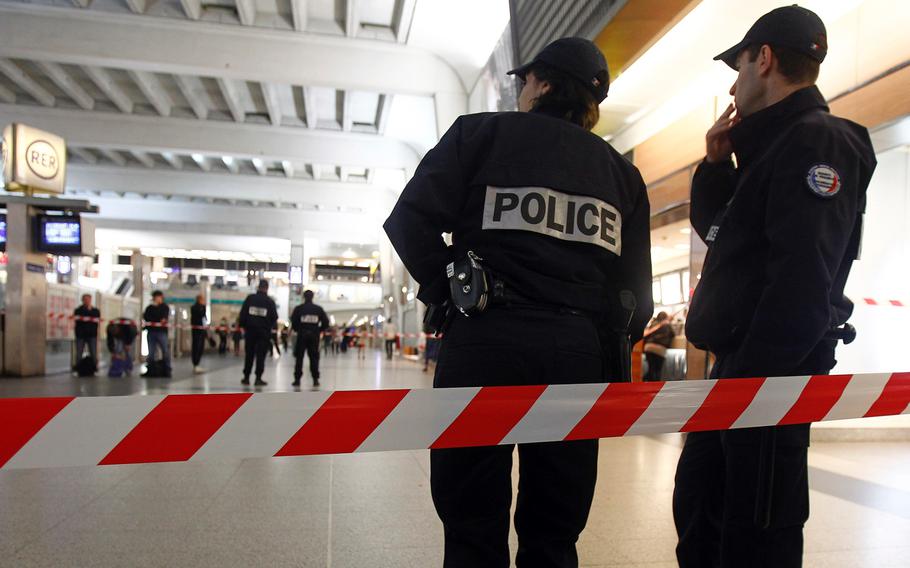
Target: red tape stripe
[(176, 428), (723, 405), (615, 411), (895, 396), (343, 422), (820, 394), (490, 415), (22, 418)]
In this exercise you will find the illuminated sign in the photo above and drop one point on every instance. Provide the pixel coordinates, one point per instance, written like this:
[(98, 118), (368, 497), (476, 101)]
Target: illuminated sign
[(33, 160)]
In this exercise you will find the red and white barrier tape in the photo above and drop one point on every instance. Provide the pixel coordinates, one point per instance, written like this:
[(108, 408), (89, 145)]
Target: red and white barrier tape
[(887, 303), (70, 431)]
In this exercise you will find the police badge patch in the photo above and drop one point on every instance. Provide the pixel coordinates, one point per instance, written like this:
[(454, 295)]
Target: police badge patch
[(823, 180)]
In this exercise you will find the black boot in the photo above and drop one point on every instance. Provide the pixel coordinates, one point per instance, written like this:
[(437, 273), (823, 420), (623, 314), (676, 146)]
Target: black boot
[(245, 381)]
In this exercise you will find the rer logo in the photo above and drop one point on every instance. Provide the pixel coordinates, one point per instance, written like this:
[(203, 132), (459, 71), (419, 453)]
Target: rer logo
[(42, 159)]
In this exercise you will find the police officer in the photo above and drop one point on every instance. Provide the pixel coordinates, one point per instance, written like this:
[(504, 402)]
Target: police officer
[(782, 227), (307, 320), (560, 222), (258, 316)]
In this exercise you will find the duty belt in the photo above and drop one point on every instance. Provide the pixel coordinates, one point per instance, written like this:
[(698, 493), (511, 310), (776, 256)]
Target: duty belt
[(502, 296)]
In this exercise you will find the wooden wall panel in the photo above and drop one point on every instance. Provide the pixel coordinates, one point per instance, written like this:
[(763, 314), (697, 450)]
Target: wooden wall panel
[(878, 102), (679, 145)]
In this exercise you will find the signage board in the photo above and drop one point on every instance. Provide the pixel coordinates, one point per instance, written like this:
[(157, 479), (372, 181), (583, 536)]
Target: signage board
[(33, 160)]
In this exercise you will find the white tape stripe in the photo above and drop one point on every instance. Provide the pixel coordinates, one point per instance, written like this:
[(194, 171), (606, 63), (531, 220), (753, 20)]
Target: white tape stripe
[(262, 426), (672, 407), (555, 413), (419, 419), (84, 432), (772, 401), (861, 392)]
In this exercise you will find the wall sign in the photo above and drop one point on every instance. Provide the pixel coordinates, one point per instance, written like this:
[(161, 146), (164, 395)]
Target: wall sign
[(33, 160)]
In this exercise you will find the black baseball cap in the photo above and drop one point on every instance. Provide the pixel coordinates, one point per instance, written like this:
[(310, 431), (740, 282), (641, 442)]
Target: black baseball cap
[(578, 57), (793, 27)]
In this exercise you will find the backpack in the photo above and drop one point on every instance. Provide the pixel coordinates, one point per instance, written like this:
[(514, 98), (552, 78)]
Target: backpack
[(87, 366)]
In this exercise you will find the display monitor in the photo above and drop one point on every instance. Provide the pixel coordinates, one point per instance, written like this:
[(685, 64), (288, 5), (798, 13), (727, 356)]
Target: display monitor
[(2, 232), (58, 234)]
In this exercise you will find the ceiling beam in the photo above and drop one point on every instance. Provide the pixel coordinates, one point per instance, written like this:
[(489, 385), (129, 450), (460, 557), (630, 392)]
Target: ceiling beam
[(103, 80), (309, 104), (83, 154), (351, 18), (260, 166), (231, 164), (191, 94), (347, 120), (232, 98), (330, 195), (163, 45), (26, 83), (153, 91), (246, 11), (113, 156), (187, 136), (288, 168), (270, 94), (401, 19), (66, 83), (192, 8), (173, 160), (137, 6), (299, 14), (144, 158), (7, 95), (203, 162)]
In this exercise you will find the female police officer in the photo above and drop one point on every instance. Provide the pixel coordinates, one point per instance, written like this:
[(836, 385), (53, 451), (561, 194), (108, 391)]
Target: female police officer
[(560, 222)]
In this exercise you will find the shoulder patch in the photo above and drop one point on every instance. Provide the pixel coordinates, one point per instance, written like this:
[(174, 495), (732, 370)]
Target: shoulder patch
[(823, 180)]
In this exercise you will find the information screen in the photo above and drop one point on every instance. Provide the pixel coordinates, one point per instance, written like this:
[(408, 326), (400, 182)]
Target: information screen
[(59, 235), (2, 232), (62, 233)]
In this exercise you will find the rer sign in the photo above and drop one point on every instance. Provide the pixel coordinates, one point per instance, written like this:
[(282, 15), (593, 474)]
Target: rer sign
[(33, 160)]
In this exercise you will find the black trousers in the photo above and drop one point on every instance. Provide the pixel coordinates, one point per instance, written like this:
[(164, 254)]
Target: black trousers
[(257, 346), (307, 344), (655, 366), (717, 481), (471, 487), (389, 348), (199, 336)]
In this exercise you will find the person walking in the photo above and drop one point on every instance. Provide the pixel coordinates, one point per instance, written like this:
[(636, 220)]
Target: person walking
[(156, 317), (222, 336), (236, 336), (551, 261), (258, 317), (87, 318), (307, 320), (390, 332), (199, 332), (783, 226)]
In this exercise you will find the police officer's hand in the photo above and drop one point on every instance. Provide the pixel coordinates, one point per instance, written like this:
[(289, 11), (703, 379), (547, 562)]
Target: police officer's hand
[(717, 140)]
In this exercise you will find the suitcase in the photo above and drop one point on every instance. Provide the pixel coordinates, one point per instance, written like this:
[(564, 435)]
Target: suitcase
[(86, 367)]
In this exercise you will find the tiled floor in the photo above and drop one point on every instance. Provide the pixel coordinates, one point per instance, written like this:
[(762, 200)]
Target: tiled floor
[(374, 510)]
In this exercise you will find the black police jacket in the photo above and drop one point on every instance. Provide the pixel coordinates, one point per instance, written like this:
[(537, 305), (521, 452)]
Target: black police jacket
[(554, 211), (782, 229), (258, 313), (157, 314), (87, 328), (309, 318), (197, 314)]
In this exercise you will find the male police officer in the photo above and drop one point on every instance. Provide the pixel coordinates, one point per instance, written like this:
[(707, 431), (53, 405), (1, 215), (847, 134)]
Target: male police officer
[(307, 320), (782, 228), (258, 316), (560, 220)]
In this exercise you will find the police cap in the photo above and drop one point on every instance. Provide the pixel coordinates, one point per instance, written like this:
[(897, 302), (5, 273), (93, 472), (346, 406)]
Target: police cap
[(793, 27), (578, 57)]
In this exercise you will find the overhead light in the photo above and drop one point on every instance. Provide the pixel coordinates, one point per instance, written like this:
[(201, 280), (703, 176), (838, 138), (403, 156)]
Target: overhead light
[(349, 254), (227, 160), (404, 289), (686, 230), (681, 246)]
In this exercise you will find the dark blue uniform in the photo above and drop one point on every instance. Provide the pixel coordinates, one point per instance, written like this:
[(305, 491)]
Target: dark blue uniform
[(783, 228), (308, 320), (258, 317), (561, 221)]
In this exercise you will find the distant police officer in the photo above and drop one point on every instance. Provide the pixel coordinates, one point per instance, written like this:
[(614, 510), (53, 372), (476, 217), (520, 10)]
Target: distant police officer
[(558, 221), (782, 227), (258, 317), (307, 320)]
